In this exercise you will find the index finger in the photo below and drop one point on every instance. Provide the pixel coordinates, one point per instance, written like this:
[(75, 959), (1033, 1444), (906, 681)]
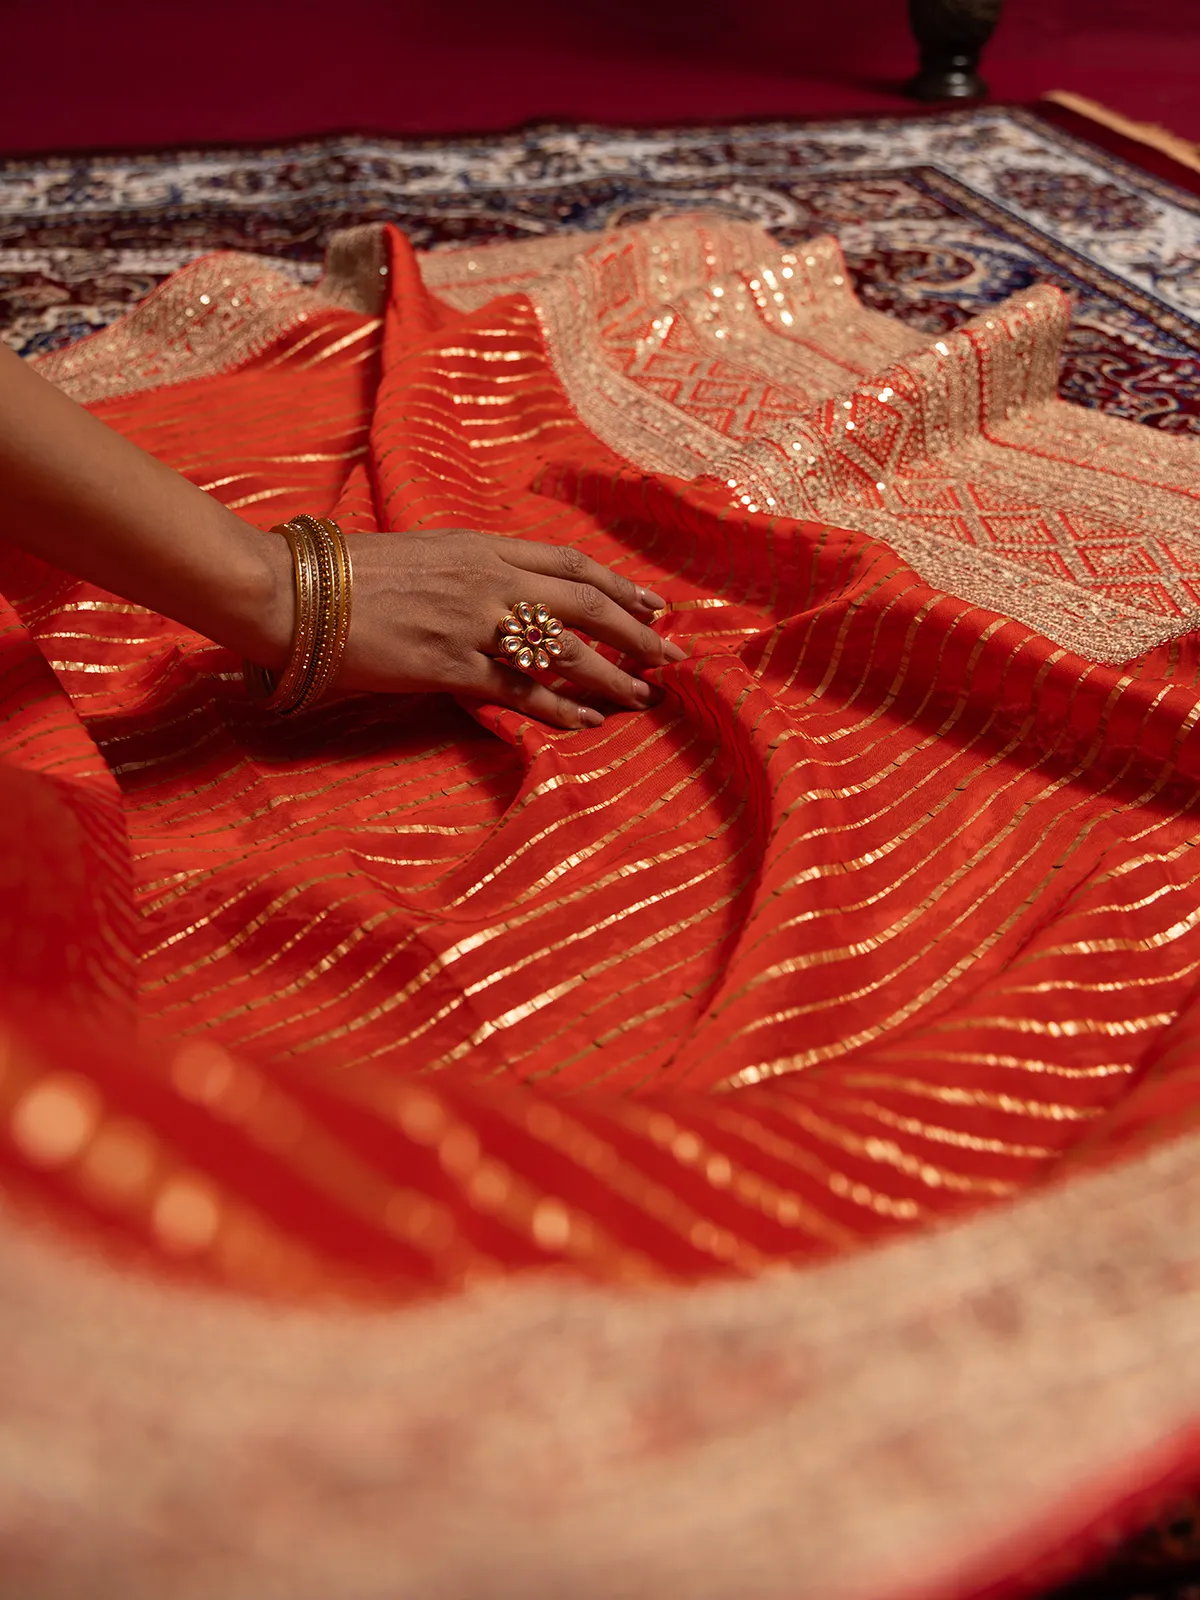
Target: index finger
[(570, 565)]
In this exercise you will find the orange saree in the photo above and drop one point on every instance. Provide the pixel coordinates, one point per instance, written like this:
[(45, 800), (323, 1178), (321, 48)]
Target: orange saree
[(886, 913)]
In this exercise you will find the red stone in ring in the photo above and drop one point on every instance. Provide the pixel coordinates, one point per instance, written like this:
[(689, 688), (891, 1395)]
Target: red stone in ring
[(530, 636)]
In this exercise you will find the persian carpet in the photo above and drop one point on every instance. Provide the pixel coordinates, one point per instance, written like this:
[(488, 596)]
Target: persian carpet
[(939, 216), (1074, 781)]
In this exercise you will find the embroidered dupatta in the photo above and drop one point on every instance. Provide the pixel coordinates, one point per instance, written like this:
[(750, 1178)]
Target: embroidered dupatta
[(886, 914)]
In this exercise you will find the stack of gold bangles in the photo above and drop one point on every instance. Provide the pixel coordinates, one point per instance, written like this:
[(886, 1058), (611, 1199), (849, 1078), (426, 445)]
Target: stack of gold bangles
[(323, 579)]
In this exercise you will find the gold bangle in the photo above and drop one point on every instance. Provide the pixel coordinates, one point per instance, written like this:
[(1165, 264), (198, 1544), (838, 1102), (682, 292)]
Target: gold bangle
[(323, 576), (335, 558), (334, 620)]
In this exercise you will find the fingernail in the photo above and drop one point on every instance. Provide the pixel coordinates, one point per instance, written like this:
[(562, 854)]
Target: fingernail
[(641, 691), (672, 651), (655, 602), (589, 718)]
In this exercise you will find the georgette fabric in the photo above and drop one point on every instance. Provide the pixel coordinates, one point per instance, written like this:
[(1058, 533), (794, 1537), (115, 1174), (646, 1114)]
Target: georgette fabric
[(888, 911)]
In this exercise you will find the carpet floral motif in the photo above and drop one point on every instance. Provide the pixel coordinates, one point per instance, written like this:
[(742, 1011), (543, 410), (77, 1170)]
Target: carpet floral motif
[(1075, 198)]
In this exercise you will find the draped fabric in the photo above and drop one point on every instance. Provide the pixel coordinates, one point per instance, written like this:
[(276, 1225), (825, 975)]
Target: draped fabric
[(888, 911)]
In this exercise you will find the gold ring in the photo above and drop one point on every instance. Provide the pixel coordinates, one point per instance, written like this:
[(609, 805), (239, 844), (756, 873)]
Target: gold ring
[(529, 636)]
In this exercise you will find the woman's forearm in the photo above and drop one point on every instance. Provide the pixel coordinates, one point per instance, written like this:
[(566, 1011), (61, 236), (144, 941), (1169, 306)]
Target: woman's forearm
[(428, 607), (82, 497)]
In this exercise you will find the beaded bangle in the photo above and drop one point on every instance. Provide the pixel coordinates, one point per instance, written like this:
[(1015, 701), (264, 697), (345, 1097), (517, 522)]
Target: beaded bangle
[(323, 576)]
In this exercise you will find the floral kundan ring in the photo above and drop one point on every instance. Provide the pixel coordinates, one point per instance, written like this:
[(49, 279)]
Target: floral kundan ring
[(529, 636)]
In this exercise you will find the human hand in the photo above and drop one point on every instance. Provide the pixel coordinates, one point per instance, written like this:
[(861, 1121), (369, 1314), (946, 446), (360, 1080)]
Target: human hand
[(427, 609)]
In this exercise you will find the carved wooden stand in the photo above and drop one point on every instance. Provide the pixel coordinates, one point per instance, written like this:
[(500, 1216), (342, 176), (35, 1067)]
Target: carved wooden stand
[(951, 35)]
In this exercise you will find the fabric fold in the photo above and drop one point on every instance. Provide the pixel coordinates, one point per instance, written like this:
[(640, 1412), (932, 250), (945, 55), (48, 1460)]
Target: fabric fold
[(887, 915)]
